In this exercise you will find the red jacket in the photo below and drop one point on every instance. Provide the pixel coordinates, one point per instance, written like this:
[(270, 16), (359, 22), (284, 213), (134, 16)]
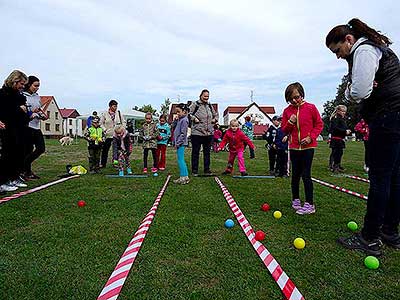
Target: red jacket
[(236, 140), (362, 128), (309, 123)]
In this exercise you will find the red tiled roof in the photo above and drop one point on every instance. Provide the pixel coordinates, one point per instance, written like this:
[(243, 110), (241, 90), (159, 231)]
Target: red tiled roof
[(67, 112), (240, 109), (45, 100)]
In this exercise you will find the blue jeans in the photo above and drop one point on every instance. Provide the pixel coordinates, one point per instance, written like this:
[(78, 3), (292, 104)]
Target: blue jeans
[(180, 154), (383, 206)]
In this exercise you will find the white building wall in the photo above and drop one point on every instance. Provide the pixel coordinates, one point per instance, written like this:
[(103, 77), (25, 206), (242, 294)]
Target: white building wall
[(73, 126)]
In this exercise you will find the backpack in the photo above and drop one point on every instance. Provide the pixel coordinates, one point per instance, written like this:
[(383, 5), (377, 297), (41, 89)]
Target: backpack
[(196, 108)]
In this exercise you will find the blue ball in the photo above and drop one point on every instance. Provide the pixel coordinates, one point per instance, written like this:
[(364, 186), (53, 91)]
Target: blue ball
[(155, 174), (229, 223)]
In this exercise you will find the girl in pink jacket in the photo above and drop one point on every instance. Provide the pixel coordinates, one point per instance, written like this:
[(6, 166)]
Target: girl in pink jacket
[(302, 122)]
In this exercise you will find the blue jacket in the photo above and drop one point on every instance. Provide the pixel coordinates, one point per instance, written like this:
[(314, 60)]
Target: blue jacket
[(278, 140), (165, 133)]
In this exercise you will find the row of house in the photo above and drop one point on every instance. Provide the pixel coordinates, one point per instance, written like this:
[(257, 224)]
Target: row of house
[(68, 120), (261, 116)]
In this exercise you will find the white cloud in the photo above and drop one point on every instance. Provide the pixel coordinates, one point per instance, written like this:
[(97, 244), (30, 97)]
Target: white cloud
[(88, 51)]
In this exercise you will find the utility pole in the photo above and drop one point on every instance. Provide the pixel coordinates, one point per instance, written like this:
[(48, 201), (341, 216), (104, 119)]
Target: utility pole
[(251, 96)]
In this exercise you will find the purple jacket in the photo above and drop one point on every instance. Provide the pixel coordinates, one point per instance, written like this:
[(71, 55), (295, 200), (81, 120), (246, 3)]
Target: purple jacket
[(180, 132)]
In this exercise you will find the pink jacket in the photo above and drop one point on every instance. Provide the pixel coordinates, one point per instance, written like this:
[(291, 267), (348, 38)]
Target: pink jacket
[(309, 123), (362, 127), (236, 140)]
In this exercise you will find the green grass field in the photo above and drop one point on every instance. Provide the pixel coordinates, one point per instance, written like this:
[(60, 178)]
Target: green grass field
[(51, 249)]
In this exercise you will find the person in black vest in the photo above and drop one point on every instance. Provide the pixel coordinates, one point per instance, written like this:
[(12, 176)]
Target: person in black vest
[(374, 82), (338, 130)]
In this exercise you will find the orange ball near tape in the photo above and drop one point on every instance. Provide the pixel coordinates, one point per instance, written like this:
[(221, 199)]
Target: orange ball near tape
[(81, 203)]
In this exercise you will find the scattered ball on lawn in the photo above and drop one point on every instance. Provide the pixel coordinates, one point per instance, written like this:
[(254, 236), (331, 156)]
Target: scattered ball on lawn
[(371, 262), (277, 214), (229, 223), (81, 203), (299, 243), (260, 235), (265, 207), (352, 226), (155, 174)]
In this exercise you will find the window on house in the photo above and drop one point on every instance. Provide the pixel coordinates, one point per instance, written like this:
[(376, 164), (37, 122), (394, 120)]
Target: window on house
[(47, 127), (70, 132), (57, 127), (70, 121), (56, 113), (48, 113)]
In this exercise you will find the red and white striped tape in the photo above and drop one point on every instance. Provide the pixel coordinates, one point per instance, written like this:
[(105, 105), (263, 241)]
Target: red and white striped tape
[(287, 287), (38, 188), (340, 188), (117, 279), (357, 178)]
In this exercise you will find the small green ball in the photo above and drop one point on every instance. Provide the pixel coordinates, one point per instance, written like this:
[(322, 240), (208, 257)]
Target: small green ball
[(371, 262), (352, 226)]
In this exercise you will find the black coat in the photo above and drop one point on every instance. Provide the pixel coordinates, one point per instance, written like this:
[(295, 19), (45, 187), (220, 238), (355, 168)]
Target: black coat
[(11, 113)]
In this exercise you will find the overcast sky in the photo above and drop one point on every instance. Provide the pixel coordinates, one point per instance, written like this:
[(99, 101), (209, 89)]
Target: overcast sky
[(87, 52)]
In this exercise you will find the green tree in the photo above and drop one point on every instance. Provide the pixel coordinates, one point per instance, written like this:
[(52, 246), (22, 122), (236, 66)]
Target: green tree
[(352, 107), (148, 108), (165, 107)]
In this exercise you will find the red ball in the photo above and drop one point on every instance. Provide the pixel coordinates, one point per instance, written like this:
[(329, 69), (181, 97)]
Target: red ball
[(265, 207), (260, 235), (81, 203)]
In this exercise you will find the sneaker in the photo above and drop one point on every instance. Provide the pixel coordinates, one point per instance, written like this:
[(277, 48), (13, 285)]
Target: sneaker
[(226, 172), (208, 173), (195, 174), (391, 240), (296, 204), (129, 171), (154, 170), (161, 169), (244, 173), (178, 181), (144, 170), (357, 242), (306, 209), (8, 188), (185, 180), (121, 173), (18, 183)]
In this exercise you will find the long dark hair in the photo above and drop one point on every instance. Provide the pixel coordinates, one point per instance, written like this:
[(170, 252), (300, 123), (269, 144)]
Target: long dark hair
[(183, 106), (31, 80), (358, 29)]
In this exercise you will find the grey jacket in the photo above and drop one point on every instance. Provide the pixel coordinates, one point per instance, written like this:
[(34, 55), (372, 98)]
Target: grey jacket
[(180, 132), (204, 119)]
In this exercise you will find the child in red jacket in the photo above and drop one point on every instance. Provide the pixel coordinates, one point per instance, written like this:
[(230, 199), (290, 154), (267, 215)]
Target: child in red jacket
[(236, 140), (302, 122)]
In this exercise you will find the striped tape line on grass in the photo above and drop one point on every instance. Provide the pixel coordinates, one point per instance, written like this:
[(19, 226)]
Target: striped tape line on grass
[(339, 188), (117, 279), (38, 188), (357, 178), (287, 287)]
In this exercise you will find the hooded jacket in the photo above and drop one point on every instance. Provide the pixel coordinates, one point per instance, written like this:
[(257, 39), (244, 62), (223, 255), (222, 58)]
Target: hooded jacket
[(236, 140), (309, 123), (203, 118)]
